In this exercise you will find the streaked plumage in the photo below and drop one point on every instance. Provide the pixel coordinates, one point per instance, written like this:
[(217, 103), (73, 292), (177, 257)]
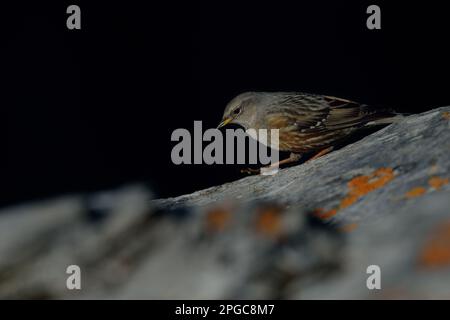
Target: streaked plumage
[(306, 122)]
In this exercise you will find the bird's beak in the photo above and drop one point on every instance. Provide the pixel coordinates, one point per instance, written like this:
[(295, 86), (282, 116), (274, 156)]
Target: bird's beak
[(224, 122)]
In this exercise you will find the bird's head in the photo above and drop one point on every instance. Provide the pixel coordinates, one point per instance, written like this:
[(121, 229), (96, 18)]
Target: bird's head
[(241, 110)]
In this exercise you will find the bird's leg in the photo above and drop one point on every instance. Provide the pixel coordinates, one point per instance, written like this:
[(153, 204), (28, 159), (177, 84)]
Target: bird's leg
[(321, 153), (294, 157)]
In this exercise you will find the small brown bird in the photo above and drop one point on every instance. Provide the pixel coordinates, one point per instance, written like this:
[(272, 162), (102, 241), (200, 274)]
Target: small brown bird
[(306, 122)]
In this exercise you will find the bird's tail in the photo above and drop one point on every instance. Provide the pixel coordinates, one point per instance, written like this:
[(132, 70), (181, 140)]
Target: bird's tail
[(387, 120), (385, 117)]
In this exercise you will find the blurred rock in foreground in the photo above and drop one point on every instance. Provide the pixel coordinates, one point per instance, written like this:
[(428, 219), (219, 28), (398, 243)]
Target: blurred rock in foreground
[(308, 232)]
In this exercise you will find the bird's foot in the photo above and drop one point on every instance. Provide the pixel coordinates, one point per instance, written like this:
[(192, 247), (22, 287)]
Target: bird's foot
[(264, 171), (274, 167), (251, 171)]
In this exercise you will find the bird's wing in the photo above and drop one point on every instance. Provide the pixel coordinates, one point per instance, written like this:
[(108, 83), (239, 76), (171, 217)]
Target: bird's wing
[(315, 113)]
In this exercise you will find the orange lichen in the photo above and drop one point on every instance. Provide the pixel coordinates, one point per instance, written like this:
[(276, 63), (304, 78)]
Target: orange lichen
[(362, 185), (359, 187), (436, 252), (437, 182), (218, 219), (415, 192), (434, 182), (269, 222), (446, 115), (348, 227)]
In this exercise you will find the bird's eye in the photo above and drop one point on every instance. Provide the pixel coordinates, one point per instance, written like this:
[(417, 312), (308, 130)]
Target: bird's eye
[(237, 111)]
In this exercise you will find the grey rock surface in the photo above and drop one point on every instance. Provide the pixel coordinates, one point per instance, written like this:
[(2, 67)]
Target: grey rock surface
[(308, 232)]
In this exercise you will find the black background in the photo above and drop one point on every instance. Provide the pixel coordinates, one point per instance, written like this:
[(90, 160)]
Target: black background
[(94, 108)]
